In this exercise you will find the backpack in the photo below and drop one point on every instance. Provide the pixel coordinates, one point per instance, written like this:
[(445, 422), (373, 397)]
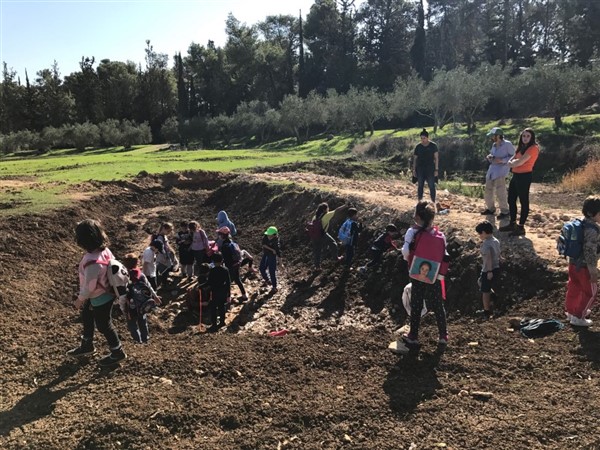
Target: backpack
[(118, 275), (570, 241), (345, 233), (314, 229), (536, 328), (236, 252), (429, 250), (141, 296)]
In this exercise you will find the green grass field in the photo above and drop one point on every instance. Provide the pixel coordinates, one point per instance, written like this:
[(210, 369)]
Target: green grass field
[(46, 178)]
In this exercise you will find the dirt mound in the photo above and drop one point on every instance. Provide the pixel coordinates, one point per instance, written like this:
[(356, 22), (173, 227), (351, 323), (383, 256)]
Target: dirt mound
[(330, 382)]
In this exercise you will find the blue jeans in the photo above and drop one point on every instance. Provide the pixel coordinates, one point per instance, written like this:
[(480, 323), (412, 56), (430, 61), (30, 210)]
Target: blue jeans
[(269, 262), (426, 175), (137, 324)]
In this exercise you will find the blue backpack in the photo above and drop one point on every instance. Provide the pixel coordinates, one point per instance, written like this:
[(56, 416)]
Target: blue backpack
[(570, 241), (345, 233)]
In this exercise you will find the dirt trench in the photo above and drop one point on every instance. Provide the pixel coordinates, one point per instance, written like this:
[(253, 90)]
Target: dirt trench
[(330, 382)]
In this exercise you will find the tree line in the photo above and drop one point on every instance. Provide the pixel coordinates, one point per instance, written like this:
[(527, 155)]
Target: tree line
[(342, 68)]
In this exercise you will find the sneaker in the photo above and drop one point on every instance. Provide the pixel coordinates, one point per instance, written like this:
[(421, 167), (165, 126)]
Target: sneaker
[(518, 231), (274, 290), (409, 341), (113, 358), (362, 270), (503, 216), (578, 322), (510, 227), (487, 212), (82, 350), (443, 340), (484, 314), (243, 298), (213, 329)]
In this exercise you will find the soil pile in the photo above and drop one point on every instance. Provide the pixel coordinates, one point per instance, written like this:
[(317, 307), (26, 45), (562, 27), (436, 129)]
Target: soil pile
[(330, 382)]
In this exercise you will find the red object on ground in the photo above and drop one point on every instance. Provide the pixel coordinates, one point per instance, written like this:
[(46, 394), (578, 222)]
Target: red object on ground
[(279, 333)]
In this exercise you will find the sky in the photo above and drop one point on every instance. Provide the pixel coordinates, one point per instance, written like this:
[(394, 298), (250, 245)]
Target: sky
[(35, 33)]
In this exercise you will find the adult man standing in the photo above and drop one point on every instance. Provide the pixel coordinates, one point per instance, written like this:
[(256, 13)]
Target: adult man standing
[(495, 178), (426, 165)]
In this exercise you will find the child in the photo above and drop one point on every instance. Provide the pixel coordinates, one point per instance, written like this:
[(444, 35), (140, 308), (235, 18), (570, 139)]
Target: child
[(95, 295), (166, 260), (424, 216), (490, 270), (223, 221), (199, 247), (149, 261), (247, 258), (199, 295), (382, 244), (138, 292), (324, 239), (232, 258), (183, 239), (348, 234), (271, 250), (220, 289), (582, 287)]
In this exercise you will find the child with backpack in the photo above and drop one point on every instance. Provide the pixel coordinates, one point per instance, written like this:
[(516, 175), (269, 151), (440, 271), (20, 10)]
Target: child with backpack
[(271, 250), (232, 258), (348, 235), (220, 290), (149, 261), (383, 243), (425, 243), (490, 270), (141, 299), (95, 297), (183, 239), (582, 287)]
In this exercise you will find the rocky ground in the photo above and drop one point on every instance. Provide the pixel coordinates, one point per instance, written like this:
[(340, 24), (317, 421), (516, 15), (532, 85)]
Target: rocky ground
[(330, 382)]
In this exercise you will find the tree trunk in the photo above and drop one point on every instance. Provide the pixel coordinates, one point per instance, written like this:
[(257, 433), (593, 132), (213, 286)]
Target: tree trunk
[(558, 123)]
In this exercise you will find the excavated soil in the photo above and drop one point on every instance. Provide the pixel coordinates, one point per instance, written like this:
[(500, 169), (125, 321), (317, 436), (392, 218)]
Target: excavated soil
[(330, 382)]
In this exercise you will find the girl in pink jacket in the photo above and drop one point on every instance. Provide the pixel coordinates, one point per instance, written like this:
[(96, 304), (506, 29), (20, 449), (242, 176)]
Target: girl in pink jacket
[(95, 297)]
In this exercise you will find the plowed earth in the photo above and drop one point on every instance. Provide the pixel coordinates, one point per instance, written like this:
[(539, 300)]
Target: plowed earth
[(330, 382)]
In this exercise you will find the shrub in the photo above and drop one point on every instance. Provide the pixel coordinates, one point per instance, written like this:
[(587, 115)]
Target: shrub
[(135, 134), (110, 132), (585, 179), (82, 135)]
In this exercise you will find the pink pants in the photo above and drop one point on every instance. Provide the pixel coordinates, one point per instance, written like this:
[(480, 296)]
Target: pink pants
[(581, 292)]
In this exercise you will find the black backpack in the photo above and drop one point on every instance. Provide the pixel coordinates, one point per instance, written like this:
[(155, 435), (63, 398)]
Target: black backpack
[(140, 295), (537, 328)]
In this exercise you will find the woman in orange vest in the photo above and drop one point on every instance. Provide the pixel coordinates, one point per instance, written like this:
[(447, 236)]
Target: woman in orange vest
[(521, 165)]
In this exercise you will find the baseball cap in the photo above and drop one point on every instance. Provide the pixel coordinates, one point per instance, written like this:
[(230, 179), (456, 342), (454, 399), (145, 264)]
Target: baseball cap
[(495, 132), (271, 231)]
